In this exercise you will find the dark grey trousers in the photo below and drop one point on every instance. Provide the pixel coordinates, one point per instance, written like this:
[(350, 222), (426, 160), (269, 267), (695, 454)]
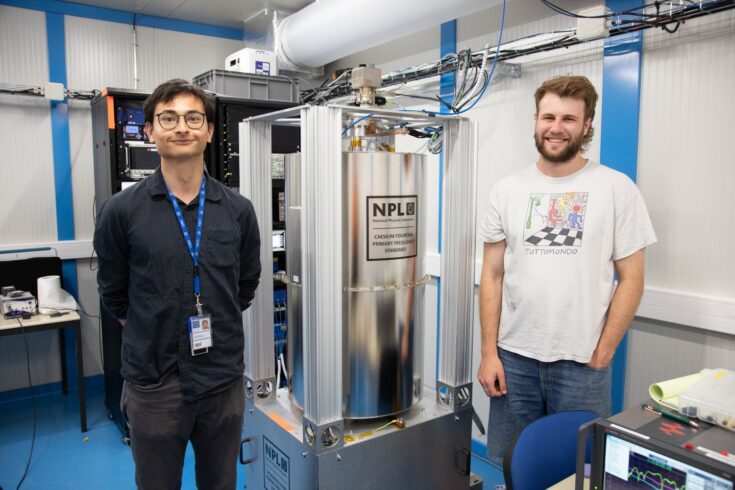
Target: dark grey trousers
[(162, 423)]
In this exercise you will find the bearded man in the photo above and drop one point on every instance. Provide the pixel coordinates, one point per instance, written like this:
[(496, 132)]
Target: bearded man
[(555, 234)]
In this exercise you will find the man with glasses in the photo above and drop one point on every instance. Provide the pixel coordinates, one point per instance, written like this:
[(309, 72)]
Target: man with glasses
[(179, 252)]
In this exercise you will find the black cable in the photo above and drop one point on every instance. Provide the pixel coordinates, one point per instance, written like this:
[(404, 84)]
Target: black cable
[(671, 31), (618, 27), (314, 94), (94, 224), (33, 400), (433, 99), (73, 309), (418, 134), (477, 73), (664, 26), (635, 11), (632, 11), (483, 75), (99, 327)]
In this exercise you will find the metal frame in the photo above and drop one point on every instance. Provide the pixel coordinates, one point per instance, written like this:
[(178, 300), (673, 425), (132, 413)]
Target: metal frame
[(255, 169), (321, 256), (431, 452), (453, 398), (321, 226), (458, 253)]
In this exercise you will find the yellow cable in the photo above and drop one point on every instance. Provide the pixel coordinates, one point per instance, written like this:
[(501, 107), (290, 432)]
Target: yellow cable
[(386, 425)]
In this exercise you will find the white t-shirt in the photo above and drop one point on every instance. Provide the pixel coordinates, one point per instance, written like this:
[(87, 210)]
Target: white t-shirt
[(562, 236)]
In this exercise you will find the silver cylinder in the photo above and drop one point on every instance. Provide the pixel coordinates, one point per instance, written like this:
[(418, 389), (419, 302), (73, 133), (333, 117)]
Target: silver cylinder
[(383, 259), (383, 244)]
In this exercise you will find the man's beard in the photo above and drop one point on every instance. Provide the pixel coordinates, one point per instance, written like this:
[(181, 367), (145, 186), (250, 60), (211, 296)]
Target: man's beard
[(574, 145)]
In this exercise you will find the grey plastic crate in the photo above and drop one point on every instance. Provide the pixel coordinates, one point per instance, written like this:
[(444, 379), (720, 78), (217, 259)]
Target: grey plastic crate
[(249, 85)]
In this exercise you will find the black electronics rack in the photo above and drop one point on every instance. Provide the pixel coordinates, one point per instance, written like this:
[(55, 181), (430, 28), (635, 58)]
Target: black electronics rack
[(225, 147)]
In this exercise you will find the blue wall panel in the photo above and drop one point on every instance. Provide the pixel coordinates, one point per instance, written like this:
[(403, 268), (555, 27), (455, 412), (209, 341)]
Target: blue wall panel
[(62, 171), (621, 82)]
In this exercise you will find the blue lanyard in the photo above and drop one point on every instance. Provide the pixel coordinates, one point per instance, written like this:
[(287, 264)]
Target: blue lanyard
[(193, 250)]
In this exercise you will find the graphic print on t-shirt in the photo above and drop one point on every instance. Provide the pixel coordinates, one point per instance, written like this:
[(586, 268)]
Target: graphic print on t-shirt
[(555, 219)]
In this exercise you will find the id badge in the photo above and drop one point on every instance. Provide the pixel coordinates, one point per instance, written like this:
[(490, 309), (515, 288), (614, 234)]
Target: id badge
[(200, 334)]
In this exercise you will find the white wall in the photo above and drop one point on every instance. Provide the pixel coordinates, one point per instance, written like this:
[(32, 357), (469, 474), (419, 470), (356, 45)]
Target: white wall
[(25, 129), (686, 163), (28, 213), (685, 171), (98, 54)]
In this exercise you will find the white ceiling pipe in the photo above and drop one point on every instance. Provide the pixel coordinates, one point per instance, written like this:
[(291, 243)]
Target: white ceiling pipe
[(330, 29)]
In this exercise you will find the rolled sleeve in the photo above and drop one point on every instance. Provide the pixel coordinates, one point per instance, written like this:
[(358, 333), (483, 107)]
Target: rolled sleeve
[(111, 245)]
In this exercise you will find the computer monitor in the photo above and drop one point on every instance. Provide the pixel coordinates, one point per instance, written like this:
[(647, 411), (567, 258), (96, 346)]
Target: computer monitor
[(630, 465)]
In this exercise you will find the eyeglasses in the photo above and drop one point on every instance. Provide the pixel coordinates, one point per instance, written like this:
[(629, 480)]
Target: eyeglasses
[(169, 119)]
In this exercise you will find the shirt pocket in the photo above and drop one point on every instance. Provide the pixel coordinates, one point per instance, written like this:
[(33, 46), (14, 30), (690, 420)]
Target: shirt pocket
[(223, 247)]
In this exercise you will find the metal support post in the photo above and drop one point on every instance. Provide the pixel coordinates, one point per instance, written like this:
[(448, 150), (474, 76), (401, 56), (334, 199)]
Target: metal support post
[(255, 184), (321, 235), (457, 263)]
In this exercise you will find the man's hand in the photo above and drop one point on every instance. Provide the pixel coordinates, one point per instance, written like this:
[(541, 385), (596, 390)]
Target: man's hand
[(491, 374), (600, 360), (622, 309), (492, 377)]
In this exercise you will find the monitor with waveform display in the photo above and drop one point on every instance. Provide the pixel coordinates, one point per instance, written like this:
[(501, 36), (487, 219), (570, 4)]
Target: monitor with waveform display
[(629, 465)]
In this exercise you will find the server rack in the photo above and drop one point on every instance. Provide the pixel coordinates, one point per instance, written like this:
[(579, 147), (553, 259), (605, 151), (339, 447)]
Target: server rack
[(225, 148)]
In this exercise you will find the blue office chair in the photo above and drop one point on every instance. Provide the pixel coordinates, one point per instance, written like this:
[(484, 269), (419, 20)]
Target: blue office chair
[(544, 453)]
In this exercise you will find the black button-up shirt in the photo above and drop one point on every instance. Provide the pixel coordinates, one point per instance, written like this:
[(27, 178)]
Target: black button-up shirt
[(146, 275)]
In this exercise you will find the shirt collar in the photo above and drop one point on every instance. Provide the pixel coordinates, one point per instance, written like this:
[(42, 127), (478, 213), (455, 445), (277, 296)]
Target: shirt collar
[(157, 186)]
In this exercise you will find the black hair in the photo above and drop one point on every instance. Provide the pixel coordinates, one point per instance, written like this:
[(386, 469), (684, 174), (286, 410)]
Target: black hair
[(168, 90)]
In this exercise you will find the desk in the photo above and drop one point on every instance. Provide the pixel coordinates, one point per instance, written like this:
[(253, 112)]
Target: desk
[(569, 483), (38, 323), (634, 439)]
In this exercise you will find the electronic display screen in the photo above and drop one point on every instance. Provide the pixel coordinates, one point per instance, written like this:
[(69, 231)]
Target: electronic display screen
[(628, 465), (133, 132), (144, 158), (131, 113)]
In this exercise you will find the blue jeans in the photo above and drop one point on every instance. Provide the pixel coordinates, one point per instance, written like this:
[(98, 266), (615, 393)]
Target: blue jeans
[(538, 388)]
